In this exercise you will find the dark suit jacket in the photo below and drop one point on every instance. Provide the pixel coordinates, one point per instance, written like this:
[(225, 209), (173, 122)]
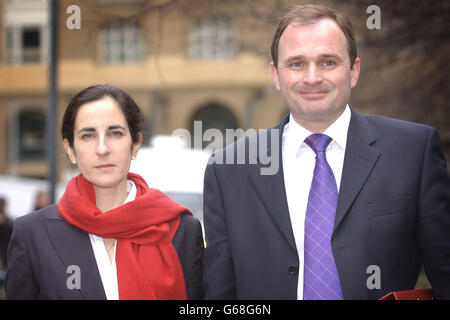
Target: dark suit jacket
[(5, 235), (43, 245), (392, 212)]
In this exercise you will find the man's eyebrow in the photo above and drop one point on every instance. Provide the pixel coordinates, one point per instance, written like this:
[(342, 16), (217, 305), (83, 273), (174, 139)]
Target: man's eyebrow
[(298, 57), (322, 56), (329, 55)]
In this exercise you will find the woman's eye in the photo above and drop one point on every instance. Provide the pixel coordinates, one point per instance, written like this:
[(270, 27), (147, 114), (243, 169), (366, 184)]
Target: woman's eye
[(87, 136), (116, 134)]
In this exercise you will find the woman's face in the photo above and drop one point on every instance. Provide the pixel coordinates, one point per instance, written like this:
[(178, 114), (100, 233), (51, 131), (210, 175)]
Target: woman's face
[(102, 146)]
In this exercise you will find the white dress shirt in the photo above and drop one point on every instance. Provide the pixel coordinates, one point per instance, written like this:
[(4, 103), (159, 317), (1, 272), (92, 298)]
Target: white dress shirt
[(298, 167), (107, 268)]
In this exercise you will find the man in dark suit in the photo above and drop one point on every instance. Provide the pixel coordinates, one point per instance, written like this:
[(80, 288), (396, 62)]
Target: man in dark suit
[(349, 206), (6, 228)]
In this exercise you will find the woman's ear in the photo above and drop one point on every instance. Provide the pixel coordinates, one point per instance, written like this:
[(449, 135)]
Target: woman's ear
[(70, 152), (137, 145)]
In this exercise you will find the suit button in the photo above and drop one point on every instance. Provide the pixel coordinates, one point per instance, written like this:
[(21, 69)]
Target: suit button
[(293, 270)]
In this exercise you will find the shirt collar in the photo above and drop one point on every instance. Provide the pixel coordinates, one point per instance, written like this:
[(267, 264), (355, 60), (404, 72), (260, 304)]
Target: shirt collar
[(296, 134), (131, 189), (339, 129)]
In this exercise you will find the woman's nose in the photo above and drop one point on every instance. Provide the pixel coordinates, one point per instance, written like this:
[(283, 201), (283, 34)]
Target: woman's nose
[(102, 146)]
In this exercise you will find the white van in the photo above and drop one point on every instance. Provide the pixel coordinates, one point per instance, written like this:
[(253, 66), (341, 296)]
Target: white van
[(174, 169)]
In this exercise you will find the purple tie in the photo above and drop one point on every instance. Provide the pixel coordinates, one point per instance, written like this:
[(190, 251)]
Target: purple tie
[(321, 280)]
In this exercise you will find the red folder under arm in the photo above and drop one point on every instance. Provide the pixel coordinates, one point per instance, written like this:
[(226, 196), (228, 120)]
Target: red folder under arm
[(417, 294)]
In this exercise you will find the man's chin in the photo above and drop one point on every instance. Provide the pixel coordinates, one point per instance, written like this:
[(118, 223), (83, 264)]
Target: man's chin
[(315, 115)]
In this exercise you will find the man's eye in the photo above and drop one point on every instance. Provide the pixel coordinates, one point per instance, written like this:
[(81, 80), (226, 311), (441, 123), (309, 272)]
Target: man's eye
[(297, 65), (329, 63)]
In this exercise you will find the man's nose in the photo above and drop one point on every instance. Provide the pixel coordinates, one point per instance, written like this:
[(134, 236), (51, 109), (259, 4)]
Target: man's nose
[(312, 75)]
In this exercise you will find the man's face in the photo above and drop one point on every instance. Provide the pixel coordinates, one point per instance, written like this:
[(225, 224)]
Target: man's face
[(314, 74)]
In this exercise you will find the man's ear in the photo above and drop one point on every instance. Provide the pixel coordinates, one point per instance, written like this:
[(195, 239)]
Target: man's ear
[(70, 152), (274, 71), (355, 72), (137, 145)]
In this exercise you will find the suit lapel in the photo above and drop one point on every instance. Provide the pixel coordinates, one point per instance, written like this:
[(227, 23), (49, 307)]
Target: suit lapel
[(270, 187), (74, 248), (360, 158)]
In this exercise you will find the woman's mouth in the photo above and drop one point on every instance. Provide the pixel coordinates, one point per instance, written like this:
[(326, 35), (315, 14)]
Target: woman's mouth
[(104, 166)]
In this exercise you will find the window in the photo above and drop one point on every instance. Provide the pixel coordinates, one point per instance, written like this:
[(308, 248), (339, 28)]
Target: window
[(9, 45), (212, 38), (31, 44), (24, 45), (24, 25), (120, 42), (214, 115), (31, 135)]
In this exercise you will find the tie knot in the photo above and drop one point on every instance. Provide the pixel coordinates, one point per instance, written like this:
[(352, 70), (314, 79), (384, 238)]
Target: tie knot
[(318, 142)]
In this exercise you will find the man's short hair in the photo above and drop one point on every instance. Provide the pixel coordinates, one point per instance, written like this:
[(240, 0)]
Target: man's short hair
[(307, 14)]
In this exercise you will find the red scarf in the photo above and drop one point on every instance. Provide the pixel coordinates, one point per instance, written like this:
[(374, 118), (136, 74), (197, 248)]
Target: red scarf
[(147, 263)]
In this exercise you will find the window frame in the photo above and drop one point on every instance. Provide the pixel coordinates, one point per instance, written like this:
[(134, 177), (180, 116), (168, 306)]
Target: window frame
[(115, 46), (212, 38)]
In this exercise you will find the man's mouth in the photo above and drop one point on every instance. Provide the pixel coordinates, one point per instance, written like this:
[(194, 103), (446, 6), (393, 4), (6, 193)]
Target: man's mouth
[(313, 95)]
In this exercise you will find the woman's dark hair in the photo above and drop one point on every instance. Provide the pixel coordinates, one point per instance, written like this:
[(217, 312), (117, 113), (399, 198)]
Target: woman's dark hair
[(133, 114)]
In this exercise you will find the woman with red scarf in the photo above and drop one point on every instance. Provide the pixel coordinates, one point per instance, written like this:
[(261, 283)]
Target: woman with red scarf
[(110, 236)]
